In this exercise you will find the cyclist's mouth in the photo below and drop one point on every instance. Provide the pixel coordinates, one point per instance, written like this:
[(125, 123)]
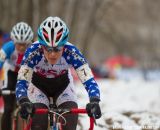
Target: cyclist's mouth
[(52, 60)]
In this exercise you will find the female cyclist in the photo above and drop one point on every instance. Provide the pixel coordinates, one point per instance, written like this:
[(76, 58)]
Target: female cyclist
[(45, 72)]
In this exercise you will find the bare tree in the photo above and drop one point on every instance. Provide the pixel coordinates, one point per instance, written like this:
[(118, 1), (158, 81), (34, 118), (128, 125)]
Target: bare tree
[(114, 26)]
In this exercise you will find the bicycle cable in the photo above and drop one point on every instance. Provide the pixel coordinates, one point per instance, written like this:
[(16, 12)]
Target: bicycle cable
[(60, 116)]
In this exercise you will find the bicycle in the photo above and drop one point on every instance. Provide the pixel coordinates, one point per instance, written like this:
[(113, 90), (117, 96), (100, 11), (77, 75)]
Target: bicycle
[(56, 118), (17, 124)]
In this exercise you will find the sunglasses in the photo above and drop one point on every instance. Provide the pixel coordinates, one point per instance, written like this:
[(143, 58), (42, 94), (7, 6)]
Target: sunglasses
[(53, 49)]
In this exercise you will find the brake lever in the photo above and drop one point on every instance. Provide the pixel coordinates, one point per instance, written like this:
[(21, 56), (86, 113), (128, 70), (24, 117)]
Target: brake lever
[(28, 118), (93, 111), (94, 119)]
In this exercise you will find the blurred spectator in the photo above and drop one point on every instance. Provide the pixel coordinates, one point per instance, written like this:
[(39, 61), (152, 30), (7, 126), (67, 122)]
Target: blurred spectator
[(100, 72)]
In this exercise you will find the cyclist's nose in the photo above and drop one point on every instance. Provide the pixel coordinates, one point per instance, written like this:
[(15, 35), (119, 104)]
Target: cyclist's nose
[(53, 53)]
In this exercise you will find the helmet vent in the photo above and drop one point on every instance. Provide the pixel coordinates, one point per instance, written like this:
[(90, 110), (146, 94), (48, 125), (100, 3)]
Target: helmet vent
[(61, 23), (44, 31), (56, 24), (14, 32), (26, 37), (49, 24), (45, 34), (44, 23), (52, 34), (59, 34), (21, 32), (16, 37), (60, 30), (26, 30)]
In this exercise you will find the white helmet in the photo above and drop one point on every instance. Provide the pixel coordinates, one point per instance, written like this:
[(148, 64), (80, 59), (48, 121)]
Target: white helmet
[(53, 32), (22, 33)]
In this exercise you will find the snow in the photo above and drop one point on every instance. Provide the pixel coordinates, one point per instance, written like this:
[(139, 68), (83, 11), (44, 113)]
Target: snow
[(125, 105)]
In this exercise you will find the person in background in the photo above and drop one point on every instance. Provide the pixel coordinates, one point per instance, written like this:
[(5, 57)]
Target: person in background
[(45, 72), (11, 54), (4, 37)]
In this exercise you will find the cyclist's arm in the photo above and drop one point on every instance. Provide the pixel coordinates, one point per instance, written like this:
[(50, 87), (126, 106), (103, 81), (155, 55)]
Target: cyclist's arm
[(5, 52), (24, 77), (74, 57), (30, 59)]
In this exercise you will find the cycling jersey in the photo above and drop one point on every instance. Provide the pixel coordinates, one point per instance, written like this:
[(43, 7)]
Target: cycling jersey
[(34, 61), (9, 54)]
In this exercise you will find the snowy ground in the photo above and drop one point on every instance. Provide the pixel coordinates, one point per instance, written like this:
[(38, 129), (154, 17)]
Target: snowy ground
[(126, 105)]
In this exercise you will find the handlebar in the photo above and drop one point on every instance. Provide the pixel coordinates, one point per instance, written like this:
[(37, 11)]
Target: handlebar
[(6, 92), (72, 111)]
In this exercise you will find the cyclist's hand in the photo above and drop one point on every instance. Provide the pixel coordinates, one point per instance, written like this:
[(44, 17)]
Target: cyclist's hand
[(93, 108), (26, 109)]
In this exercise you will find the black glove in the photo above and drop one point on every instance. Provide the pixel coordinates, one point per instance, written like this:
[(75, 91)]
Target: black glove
[(93, 108), (26, 108)]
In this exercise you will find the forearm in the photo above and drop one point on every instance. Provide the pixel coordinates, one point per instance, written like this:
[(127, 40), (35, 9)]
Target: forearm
[(92, 88), (21, 89)]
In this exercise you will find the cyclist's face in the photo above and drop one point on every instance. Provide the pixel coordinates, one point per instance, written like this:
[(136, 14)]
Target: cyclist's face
[(52, 54), (21, 48)]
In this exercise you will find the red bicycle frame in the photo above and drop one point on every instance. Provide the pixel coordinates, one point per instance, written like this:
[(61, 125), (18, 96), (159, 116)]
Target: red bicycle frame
[(73, 111)]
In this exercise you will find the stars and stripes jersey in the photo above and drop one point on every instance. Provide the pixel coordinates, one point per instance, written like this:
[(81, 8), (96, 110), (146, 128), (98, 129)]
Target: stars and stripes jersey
[(35, 61), (9, 54)]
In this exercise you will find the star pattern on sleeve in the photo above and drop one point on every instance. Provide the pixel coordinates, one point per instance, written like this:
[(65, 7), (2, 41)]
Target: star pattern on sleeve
[(75, 65), (68, 57), (73, 49), (32, 46), (92, 88), (21, 89), (39, 46), (32, 55), (74, 57), (31, 58)]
